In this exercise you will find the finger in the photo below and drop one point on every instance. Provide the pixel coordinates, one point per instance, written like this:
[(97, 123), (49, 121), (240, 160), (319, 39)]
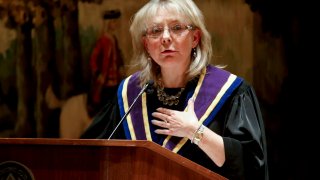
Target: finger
[(163, 124), (162, 131), (161, 116), (164, 111)]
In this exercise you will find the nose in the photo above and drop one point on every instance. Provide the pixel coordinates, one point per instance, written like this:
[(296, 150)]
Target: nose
[(166, 36)]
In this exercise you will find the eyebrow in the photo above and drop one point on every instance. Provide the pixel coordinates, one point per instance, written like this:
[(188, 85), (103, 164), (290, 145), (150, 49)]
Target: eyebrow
[(172, 22)]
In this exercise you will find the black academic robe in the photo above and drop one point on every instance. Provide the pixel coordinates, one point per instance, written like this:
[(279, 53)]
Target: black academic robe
[(239, 122)]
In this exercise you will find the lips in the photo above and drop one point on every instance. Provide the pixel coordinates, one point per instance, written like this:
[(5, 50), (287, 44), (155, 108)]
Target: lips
[(167, 51)]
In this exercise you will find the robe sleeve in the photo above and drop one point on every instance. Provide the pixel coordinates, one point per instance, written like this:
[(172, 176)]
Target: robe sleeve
[(104, 123), (244, 137)]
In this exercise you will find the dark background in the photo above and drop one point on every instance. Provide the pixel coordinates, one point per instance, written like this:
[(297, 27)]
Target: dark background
[(291, 117)]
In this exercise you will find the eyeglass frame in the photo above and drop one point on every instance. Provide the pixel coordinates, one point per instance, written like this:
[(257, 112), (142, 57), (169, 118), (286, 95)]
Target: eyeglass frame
[(170, 29)]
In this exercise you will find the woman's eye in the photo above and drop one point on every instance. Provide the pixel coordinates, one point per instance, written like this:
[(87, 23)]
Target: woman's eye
[(176, 27), (156, 30)]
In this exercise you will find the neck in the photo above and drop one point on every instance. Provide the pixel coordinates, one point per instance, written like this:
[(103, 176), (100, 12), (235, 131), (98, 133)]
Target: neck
[(173, 78)]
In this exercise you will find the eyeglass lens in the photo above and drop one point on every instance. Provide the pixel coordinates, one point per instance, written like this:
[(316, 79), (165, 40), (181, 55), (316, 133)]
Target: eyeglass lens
[(175, 29)]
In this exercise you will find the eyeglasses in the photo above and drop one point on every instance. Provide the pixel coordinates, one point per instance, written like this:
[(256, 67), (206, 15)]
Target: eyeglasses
[(175, 30)]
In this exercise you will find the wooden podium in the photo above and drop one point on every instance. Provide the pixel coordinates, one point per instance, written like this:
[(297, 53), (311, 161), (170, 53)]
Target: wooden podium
[(94, 159)]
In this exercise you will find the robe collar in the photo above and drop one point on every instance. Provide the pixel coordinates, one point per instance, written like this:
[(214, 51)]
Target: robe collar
[(214, 87)]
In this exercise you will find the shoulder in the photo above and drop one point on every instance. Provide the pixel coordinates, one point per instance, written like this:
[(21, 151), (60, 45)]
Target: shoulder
[(244, 95), (132, 81), (132, 77), (244, 87)]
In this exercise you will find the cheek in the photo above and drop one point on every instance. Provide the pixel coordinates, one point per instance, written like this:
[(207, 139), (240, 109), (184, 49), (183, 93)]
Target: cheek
[(186, 45), (152, 44), (152, 48)]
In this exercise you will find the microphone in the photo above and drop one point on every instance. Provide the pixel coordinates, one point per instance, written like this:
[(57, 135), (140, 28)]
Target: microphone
[(148, 89)]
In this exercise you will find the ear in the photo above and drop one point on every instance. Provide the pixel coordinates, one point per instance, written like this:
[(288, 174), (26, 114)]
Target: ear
[(196, 38), (145, 43)]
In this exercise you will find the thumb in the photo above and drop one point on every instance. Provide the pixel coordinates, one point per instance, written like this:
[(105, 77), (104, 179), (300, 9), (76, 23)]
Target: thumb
[(191, 105)]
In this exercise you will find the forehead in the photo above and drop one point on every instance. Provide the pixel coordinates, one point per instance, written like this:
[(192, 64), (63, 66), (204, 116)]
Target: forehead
[(166, 16)]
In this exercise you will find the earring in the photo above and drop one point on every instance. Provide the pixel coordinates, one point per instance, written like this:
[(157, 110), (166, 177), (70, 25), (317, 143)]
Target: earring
[(194, 52), (149, 57)]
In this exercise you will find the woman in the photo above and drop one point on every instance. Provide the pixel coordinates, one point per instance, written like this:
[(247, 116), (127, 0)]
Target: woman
[(199, 111)]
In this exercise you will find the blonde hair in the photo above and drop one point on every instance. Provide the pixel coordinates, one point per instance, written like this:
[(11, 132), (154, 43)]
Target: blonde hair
[(187, 8)]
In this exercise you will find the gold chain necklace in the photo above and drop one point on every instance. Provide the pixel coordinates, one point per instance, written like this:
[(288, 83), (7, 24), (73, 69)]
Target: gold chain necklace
[(168, 99)]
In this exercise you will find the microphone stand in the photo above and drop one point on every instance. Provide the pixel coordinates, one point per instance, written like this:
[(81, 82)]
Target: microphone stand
[(134, 101)]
